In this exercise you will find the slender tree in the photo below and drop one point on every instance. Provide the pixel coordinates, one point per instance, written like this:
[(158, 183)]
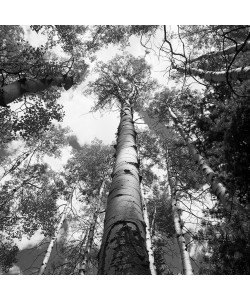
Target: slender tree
[(90, 238), (217, 187), (185, 258), (148, 236), (54, 238), (123, 251)]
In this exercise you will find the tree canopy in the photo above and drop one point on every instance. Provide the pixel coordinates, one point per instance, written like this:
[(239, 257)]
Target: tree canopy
[(189, 138)]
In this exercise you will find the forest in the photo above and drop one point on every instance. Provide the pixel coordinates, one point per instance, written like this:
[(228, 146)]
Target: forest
[(163, 188)]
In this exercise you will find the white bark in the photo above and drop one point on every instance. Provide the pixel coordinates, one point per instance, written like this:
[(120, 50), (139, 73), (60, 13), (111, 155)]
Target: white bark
[(88, 246), (123, 250), (185, 258), (53, 239), (227, 51), (148, 237), (219, 76), (217, 187), (186, 263), (164, 132)]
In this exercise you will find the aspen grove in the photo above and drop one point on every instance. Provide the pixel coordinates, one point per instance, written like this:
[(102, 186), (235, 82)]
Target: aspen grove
[(109, 166)]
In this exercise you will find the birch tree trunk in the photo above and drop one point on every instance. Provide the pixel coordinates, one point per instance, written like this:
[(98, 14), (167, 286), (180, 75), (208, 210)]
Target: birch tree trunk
[(16, 89), (148, 237), (219, 76), (88, 246), (123, 250), (227, 51), (53, 239)]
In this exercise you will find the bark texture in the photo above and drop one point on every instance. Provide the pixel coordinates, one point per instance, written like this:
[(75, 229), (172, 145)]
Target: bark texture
[(123, 250), (16, 89), (227, 51), (220, 76), (88, 246), (53, 239)]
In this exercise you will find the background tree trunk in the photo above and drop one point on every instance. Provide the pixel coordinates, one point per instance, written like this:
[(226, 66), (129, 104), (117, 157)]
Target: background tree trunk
[(82, 269), (219, 76), (16, 89), (53, 239), (227, 51), (148, 237), (217, 187), (185, 258)]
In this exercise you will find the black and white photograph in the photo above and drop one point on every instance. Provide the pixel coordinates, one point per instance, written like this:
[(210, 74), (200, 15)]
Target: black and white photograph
[(124, 150)]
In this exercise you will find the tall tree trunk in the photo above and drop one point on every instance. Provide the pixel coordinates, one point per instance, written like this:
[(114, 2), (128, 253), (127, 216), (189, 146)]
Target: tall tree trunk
[(53, 239), (230, 50), (148, 237), (219, 76), (217, 187), (82, 269), (123, 250), (186, 263), (185, 258), (16, 89), (171, 195)]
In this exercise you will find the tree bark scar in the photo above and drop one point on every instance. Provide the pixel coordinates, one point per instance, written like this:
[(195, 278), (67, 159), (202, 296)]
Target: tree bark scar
[(129, 257)]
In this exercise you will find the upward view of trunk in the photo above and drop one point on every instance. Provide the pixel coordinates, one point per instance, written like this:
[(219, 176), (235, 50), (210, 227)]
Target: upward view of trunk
[(219, 76), (171, 197), (88, 246), (243, 47), (16, 89), (53, 240), (148, 237), (123, 250), (217, 187), (185, 258)]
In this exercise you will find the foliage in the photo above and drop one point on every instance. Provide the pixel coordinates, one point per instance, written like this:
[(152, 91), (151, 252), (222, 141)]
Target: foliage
[(8, 253), (124, 78), (88, 167)]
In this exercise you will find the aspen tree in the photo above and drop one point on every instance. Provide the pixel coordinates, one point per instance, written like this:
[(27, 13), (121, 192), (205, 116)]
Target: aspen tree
[(90, 238), (16, 89), (217, 187), (243, 47), (148, 236), (53, 240), (185, 258), (125, 80), (218, 76), (123, 249)]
